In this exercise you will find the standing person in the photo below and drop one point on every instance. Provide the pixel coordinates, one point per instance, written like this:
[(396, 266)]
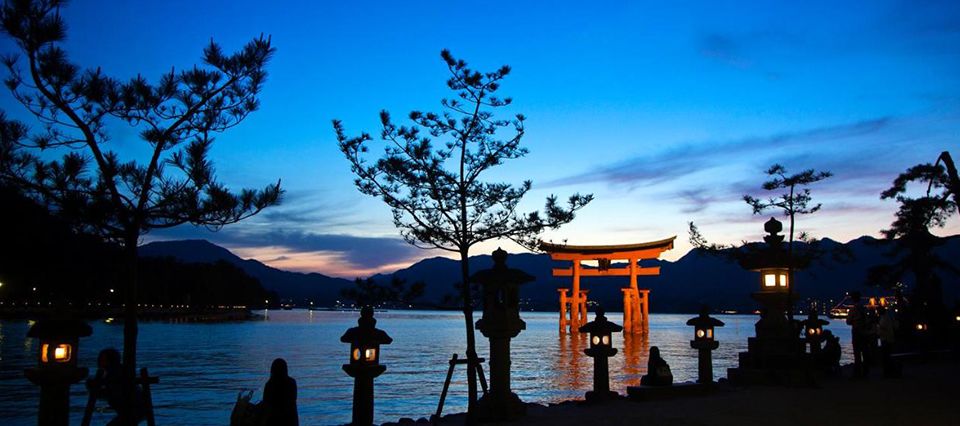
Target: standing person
[(887, 329), (857, 320), (279, 403)]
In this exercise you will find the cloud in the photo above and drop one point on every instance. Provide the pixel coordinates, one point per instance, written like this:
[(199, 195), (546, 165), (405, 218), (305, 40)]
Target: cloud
[(675, 163)]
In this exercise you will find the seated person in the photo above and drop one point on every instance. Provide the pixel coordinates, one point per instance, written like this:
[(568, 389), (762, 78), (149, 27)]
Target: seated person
[(658, 371), (830, 354), (108, 384)]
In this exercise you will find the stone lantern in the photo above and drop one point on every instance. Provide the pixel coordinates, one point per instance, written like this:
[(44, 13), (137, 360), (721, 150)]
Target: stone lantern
[(364, 365), (601, 347), (813, 331), (704, 342), (57, 366), (776, 355), (500, 323)]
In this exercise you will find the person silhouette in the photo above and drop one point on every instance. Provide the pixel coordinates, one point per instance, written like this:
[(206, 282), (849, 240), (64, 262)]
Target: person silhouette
[(830, 355), (859, 333), (107, 384), (279, 403), (658, 371)]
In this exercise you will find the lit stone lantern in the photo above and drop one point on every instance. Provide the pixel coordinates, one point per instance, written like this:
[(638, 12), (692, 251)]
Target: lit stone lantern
[(601, 347), (57, 366), (776, 355), (704, 342), (500, 323), (813, 331), (364, 365)]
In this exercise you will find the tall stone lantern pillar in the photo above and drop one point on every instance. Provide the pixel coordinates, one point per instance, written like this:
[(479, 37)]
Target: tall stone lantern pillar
[(776, 355), (500, 323)]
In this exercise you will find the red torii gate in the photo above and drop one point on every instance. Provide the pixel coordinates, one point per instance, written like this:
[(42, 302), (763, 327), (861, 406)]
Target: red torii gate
[(635, 301)]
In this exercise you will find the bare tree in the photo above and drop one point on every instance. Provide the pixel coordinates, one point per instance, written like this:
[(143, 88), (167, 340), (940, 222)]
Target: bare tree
[(435, 190)]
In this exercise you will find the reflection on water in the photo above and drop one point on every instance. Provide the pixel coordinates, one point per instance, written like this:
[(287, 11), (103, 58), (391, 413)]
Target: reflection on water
[(203, 366)]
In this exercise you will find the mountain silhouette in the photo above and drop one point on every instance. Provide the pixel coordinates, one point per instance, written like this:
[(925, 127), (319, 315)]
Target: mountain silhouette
[(302, 287), (682, 286)]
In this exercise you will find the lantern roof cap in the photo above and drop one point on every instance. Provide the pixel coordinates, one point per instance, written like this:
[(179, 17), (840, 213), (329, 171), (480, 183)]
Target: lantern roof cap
[(500, 273), (59, 328), (600, 325), (366, 332), (704, 321), (814, 320)]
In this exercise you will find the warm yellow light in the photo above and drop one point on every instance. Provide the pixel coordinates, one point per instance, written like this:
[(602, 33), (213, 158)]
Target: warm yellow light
[(370, 354), (356, 354), (769, 280), (783, 280), (921, 327), (958, 317), (596, 340), (701, 333), (61, 353), (811, 331), (709, 333), (606, 340)]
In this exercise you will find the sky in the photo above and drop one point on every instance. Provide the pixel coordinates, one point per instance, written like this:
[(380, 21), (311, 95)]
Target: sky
[(666, 113)]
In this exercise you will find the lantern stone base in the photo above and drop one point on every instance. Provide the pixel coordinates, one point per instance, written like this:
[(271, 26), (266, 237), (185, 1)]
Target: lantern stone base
[(773, 361), (496, 408)]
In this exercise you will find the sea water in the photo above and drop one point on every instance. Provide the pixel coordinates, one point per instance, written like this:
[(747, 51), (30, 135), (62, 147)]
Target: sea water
[(202, 366)]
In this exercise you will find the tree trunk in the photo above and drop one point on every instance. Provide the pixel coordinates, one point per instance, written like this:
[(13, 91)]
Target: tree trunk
[(130, 328), (471, 340), (952, 178), (790, 261)]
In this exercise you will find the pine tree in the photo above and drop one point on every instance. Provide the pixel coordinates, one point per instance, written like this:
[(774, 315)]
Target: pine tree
[(177, 119), (435, 190)]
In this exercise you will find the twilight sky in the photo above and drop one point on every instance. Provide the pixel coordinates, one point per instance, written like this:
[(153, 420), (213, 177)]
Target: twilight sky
[(667, 114)]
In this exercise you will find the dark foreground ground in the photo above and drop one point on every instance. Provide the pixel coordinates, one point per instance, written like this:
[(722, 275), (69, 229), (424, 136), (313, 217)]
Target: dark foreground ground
[(927, 394)]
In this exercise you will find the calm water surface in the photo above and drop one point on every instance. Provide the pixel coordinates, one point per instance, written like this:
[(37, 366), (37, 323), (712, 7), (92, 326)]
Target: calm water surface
[(203, 366)]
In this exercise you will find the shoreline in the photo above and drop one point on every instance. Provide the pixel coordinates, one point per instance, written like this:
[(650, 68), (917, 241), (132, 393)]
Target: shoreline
[(924, 395)]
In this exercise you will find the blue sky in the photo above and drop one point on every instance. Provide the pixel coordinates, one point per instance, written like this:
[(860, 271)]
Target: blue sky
[(666, 113)]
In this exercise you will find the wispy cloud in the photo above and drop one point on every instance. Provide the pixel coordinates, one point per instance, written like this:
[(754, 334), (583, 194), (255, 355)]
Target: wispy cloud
[(681, 160)]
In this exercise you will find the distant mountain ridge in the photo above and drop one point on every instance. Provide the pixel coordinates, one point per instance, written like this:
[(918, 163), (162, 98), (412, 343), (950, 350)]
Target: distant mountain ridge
[(293, 285), (682, 286)]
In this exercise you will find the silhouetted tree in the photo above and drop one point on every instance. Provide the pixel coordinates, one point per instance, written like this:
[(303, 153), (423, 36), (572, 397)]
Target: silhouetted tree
[(176, 117), (368, 292), (914, 247), (435, 191), (795, 201)]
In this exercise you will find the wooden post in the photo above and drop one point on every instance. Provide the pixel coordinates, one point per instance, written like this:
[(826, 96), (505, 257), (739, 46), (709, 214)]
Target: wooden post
[(575, 302), (627, 310), (583, 306), (563, 309), (646, 310)]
